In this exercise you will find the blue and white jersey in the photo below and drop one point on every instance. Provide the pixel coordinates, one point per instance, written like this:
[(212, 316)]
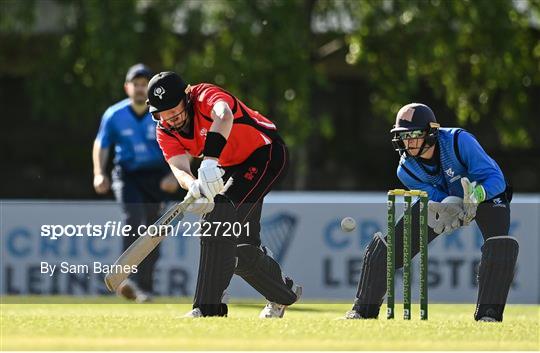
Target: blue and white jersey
[(133, 137), (460, 156)]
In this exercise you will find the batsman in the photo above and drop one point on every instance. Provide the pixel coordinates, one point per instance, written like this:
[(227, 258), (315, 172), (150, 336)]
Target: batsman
[(463, 184), (235, 144)]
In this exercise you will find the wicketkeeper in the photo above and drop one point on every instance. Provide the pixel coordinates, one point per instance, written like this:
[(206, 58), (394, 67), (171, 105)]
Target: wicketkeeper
[(234, 142), (463, 184)]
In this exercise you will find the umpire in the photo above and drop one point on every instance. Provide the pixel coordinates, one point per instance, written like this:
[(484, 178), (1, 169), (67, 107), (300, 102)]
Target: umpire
[(141, 178)]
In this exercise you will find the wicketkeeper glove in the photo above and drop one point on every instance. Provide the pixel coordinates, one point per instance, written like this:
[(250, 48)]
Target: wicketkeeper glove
[(473, 194), (445, 216)]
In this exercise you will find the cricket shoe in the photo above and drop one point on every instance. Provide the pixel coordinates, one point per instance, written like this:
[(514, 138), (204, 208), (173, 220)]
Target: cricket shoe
[(352, 315), (362, 311), (275, 310), (129, 290), (193, 314), (487, 319), (490, 315), (197, 312)]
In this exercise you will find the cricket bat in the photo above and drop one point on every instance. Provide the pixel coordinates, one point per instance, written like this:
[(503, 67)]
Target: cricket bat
[(142, 247)]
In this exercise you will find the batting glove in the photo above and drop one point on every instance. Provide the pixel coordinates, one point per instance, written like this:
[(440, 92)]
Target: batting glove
[(210, 178), (201, 206), (473, 194)]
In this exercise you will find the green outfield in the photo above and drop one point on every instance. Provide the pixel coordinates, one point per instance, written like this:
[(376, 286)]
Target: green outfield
[(115, 325)]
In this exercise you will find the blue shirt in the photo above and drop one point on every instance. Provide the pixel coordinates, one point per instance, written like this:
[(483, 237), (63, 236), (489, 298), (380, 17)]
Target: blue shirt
[(460, 156), (133, 137)]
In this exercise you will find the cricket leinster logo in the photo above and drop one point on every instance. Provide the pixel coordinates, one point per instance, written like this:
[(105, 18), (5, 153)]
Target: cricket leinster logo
[(159, 92), (277, 233)]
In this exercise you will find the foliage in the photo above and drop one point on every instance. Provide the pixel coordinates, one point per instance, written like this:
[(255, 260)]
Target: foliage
[(260, 51), (480, 57), (321, 69), (263, 51)]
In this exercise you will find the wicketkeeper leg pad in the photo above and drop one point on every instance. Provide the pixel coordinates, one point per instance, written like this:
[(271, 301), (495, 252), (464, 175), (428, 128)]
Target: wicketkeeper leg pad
[(264, 274), (372, 284), (495, 275)]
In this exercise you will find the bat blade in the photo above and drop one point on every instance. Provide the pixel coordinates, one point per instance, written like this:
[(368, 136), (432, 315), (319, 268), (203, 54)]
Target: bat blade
[(144, 245)]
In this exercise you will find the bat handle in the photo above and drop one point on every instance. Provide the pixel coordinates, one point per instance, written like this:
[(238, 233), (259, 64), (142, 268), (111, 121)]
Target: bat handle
[(227, 185)]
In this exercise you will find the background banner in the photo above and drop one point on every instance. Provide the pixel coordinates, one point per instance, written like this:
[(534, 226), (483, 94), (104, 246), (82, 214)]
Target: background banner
[(301, 229)]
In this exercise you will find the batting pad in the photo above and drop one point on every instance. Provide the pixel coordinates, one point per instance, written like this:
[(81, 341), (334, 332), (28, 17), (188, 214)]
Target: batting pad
[(263, 274), (216, 267)]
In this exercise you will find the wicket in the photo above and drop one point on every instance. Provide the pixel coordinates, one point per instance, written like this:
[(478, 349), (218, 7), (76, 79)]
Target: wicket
[(407, 235)]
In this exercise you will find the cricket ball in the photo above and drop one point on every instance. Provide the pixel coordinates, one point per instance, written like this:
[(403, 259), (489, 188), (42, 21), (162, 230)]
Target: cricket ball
[(348, 224)]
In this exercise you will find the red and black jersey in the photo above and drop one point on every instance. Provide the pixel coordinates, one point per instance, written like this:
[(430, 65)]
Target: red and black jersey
[(250, 129)]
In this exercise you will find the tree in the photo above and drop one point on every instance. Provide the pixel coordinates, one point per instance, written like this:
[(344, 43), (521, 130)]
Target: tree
[(480, 57)]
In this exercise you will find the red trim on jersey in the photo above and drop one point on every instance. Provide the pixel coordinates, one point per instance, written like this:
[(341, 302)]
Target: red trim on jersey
[(260, 178), (250, 131)]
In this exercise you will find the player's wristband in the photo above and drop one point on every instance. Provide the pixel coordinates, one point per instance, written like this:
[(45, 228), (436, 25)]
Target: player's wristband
[(215, 143), (479, 193)]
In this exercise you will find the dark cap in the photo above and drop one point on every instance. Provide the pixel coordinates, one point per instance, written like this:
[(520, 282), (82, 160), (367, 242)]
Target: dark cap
[(165, 91), (138, 70), (414, 116)]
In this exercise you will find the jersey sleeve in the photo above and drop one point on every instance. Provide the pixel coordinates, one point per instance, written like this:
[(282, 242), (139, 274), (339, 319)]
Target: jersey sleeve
[(480, 166), (105, 136), (411, 183), (170, 146), (210, 95)]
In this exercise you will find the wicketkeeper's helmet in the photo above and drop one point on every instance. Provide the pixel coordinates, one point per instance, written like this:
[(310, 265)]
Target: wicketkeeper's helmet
[(414, 120)]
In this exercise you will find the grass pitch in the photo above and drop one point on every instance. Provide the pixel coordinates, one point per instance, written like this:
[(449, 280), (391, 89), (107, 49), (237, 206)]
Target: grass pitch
[(116, 325)]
